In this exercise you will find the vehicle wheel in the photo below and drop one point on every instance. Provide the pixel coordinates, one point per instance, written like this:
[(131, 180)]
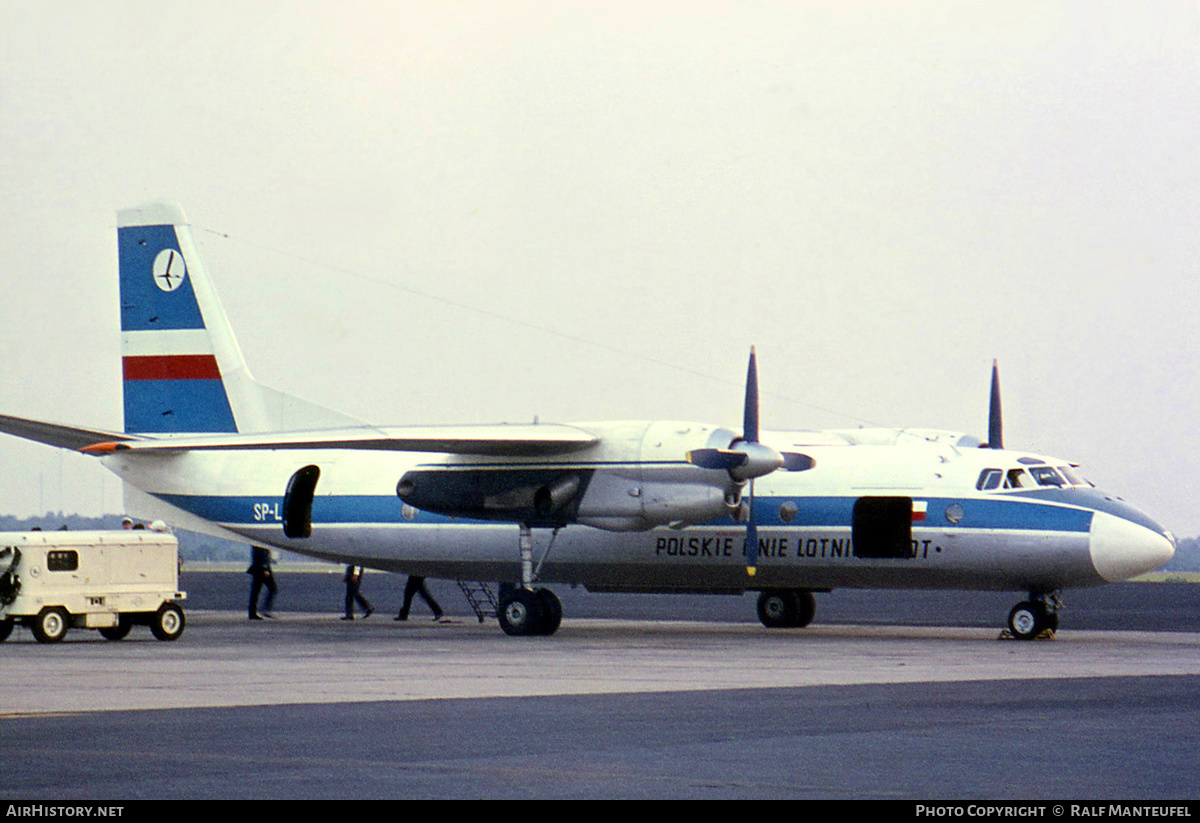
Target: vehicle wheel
[(51, 624), (520, 613), (6, 627), (551, 611), (1029, 619), (808, 609), (118, 632), (778, 609), (168, 622)]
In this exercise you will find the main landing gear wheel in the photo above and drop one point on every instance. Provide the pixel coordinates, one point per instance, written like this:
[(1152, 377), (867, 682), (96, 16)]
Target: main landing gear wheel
[(525, 612), (786, 608), (1030, 618), (50, 625), (551, 611), (520, 612), (168, 622)]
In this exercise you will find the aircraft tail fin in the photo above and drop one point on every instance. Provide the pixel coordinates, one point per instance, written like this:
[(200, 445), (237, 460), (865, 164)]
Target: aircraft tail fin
[(183, 370)]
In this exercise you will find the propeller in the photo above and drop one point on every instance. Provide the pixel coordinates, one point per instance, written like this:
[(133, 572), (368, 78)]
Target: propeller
[(995, 418), (746, 458)]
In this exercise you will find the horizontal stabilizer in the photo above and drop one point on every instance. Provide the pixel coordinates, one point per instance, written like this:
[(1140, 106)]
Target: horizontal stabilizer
[(52, 434), (506, 440)]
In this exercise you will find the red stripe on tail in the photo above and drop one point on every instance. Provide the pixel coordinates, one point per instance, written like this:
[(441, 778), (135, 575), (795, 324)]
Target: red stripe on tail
[(172, 367)]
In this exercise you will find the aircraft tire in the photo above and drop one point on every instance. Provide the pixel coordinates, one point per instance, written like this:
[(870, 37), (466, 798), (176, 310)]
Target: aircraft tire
[(1029, 619), (520, 613), (6, 627), (778, 608), (51, 624), (808, 608), (118, 632), (168, 622), (551, 611)]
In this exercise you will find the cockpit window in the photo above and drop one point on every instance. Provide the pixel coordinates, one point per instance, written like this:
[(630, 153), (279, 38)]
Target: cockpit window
[(1016, 479), (1046, 476), (1072, 478), (1059, 477), (989, 479)]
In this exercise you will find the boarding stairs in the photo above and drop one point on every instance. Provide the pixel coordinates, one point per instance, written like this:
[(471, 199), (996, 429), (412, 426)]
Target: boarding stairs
[(481, 597)]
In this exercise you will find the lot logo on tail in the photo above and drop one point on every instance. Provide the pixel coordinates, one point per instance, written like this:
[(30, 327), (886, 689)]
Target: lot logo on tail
[(169, 269)]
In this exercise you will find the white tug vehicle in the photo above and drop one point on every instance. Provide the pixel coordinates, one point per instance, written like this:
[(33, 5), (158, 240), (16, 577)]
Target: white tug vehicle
[(105, 580)]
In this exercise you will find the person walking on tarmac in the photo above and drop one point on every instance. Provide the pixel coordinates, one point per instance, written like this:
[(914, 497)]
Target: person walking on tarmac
[(260, 577), (353, 579), (415, 586)]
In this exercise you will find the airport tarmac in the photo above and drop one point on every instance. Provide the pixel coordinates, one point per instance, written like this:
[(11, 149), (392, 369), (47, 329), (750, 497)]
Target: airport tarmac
[(311, 706)]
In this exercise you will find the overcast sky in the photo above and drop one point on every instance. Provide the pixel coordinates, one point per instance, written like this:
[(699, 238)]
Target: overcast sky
[(479, 211)]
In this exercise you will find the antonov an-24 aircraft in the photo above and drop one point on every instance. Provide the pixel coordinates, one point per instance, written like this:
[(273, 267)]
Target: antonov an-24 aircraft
[(630, 506)]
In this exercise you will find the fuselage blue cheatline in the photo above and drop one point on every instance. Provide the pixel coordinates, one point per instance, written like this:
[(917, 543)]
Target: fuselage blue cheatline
[(617, 506)]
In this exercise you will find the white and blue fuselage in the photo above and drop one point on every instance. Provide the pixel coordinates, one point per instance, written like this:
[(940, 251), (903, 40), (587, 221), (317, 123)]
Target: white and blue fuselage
[(1024, 532)]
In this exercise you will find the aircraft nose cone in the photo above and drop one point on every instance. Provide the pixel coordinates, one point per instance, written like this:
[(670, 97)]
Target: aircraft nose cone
[(1122, 549)]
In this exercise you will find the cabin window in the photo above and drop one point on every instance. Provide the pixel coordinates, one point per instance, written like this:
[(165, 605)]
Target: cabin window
[(955, 514), (62, 560), (882, 527), (989, 479)]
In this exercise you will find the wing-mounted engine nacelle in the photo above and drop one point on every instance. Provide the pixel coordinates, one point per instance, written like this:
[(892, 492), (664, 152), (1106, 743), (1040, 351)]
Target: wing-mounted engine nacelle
[(641, 499), (635, 483), (535, 496), (658, 486)]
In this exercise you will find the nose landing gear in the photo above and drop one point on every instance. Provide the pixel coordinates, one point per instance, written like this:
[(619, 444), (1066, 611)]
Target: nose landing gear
[(1034, 617)]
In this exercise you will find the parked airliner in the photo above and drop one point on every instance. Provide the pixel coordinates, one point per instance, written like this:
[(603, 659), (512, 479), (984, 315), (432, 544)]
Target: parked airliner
[(629, 506)]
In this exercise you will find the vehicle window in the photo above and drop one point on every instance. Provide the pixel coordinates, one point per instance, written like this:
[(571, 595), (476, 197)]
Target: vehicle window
[(62, 560), (989, 479), (1046, 476), (1072, 478), (1016, 479)]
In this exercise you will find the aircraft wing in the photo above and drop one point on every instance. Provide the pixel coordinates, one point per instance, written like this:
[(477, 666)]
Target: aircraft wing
[(52, 434), (509, 440)]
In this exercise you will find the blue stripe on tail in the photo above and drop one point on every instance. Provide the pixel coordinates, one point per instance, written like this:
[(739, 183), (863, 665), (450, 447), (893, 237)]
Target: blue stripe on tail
[(145, 306)]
